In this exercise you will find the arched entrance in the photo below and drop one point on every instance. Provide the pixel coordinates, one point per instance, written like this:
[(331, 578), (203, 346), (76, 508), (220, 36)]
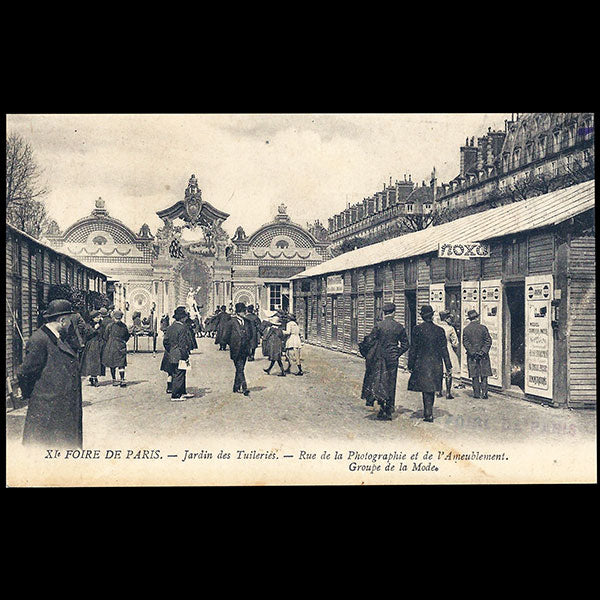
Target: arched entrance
[(195, 274)]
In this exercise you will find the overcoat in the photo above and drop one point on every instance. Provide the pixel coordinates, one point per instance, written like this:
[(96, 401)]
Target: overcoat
[(114, 353), (427, 354), (381, 368), (477, 342), (239, 338), (254, 321), (263, 329), (274, 342), (91, 359), (178, 345), (222, 320), (49, 379)]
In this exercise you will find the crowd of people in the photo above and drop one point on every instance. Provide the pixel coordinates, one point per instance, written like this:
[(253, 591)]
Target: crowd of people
[(432, 358), (242, 331), (68, 347)]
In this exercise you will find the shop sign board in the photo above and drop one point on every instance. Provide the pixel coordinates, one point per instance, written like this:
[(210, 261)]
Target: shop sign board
[(491, 317), (437, 298), (335, 284), (539, 338), (463, 250), (469, 300)]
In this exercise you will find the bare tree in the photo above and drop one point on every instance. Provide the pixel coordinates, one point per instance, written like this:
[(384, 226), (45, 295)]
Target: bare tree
[(408, 223), (25, 208)]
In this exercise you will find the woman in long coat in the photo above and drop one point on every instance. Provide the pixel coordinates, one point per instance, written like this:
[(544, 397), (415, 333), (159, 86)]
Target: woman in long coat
[(114, 354), (254, 321), (274, 345), (222, 321), (91, 359), (453, 345)]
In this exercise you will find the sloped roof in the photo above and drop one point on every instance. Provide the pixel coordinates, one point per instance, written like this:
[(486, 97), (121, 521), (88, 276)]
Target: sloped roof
[(533, 213)]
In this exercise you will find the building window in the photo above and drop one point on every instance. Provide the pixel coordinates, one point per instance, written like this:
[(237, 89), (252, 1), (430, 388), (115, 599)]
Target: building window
[(275, 296), (554, 168), (409, 208), (557, 141)]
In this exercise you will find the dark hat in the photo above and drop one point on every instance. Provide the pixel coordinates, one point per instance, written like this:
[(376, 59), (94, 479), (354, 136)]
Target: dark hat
[(444, 314), (472, 314), (94, 314), (118, 314), (389, 307), (426, 310), (292, 317), (223, 307), (103, 311), (240, 307), (180, 313), (250, 307), (58, 307)]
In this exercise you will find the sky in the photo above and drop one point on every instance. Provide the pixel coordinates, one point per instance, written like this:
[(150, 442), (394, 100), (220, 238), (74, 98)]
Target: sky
[(246, 164)]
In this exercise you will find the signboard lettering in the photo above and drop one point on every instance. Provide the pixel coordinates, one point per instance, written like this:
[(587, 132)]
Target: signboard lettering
[(463, 250)]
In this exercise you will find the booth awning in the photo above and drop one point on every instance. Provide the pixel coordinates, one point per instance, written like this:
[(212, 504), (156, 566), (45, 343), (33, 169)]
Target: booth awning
[(533, 213)]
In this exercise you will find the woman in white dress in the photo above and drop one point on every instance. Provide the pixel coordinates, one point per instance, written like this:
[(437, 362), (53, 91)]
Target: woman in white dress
[(293, 343), (453, 346)]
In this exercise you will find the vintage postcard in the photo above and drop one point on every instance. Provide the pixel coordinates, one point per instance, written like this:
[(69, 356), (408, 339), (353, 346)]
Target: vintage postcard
[(300, 299)]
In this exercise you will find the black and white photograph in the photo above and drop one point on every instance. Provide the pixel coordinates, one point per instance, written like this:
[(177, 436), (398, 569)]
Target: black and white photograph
[(293, 299)]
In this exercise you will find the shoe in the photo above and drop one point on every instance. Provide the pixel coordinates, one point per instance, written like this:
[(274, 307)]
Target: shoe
[(267, 371), (299, 373), (450, 397), (115, 382), (485, 396), (246, 392), (282, 374), (122, 384), (428, 419)]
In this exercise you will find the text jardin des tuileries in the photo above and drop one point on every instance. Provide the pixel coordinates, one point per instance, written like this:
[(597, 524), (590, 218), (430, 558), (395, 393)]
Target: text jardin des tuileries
[(354, 460)]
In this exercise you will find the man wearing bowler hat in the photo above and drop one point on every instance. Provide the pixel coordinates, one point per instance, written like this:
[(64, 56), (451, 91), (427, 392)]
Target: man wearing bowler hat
[(426, 357), (477, 342), (381, 370), (50, 380), (238, 334), (177, 341)]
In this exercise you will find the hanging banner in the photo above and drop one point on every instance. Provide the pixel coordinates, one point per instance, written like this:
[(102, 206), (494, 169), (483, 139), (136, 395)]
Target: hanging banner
[(437, 298), (491, 317), (469, 294), (539, 339), (463, 250)]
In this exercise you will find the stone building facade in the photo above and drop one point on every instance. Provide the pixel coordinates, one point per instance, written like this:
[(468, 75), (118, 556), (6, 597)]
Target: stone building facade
[(377, 212), (263, 262), (534, 150)]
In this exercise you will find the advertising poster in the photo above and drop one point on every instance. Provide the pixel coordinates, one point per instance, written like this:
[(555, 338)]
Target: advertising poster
[(538, 335), (491, 317)]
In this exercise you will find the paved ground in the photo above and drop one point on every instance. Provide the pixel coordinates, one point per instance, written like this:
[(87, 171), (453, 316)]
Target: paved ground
[(325, 402), (322, 409)]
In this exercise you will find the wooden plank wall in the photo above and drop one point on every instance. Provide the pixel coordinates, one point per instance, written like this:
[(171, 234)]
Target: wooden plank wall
[(581, 325)]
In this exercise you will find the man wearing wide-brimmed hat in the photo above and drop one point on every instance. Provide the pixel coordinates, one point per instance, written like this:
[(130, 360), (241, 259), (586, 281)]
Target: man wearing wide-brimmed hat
[(381, 369), (477, 342), (426, 357), (50, 381)]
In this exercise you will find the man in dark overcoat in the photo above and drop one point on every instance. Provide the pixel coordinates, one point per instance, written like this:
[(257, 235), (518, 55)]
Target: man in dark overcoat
[(222, 321), (178, 345), (238, 335), (50, 381), (254, 321), (426, 357), (381, 372), (477, 342)]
